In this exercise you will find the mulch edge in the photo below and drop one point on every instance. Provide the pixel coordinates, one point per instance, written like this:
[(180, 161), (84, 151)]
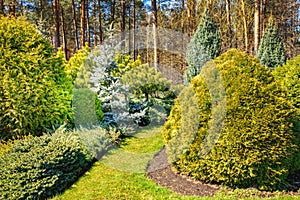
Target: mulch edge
[(165, 176)]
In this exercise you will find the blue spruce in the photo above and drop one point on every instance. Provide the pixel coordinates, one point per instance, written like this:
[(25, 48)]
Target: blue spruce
[(204, 45), (271, 50)]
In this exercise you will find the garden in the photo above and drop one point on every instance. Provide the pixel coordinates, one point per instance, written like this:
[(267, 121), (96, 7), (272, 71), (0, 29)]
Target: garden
[(105, 125)]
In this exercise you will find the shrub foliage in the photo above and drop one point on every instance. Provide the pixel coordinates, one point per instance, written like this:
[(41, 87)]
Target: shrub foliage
[(288, 77), (151, 92), (39, 167), (34, 89), (87, 108), (73, 66), (256, 146)]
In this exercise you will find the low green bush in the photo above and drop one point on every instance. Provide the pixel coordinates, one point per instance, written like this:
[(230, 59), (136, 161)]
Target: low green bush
[(97, 141), (255, 146), (40, 167)]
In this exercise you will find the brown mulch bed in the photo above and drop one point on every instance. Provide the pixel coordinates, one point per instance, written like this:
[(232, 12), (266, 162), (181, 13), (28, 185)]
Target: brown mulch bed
[(159, 170)]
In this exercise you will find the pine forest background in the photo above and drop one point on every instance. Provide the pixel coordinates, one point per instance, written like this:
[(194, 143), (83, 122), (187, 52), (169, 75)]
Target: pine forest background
[(71, 24)]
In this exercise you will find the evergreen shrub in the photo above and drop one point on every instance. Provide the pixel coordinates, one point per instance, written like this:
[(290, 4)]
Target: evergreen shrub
[(151, 92), (73, 66), (288, 77), (97, 140), (34, 88), (40, 167), (256, 145)]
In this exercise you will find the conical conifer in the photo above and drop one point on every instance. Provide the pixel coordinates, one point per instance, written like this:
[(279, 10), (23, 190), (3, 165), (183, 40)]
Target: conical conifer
[(205, 45), (271, 50)]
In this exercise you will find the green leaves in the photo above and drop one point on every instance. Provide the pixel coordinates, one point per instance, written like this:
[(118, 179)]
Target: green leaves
[(75, 63)]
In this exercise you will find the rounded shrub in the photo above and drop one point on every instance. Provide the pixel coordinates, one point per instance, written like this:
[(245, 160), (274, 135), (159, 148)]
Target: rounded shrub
[(40, 167), (253, 146), (34, 89)]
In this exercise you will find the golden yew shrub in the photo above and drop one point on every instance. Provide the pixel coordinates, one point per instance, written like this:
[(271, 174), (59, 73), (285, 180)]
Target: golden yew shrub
[(254, 145)]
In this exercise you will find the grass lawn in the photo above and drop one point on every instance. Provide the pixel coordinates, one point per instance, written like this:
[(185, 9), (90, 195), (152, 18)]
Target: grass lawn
[(121, 174)]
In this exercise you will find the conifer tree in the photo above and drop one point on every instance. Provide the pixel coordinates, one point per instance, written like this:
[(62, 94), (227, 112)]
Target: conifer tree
[(34, 88), (205, 45), (271, 51)]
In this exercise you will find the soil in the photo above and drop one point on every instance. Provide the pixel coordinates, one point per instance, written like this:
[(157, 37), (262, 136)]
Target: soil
[(160, 171)]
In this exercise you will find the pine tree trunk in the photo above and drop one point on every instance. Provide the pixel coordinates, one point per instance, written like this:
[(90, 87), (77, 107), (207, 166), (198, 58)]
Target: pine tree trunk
[(182, 28), (256, 24), (191, 16), (229, 33), (56, 23), (112, 15), (64, 37), (134, 26), (95, 35), (12, 7), (154, 24), (148, 38), (245, 26), (264, 14), (122, 23), (82, 23), (88, 28), (41, 10), (182, 16), (100, 22), (75, 25), (129, 28), (1, 7), (21, 7)]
